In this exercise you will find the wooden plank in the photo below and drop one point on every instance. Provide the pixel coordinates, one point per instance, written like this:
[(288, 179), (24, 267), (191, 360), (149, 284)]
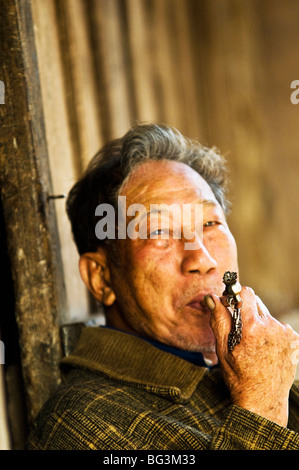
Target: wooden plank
[(64, 143), (165, 63), (29, 218), (279, 49), (146, 88), (192, 118), (81, 87), (111, 66)]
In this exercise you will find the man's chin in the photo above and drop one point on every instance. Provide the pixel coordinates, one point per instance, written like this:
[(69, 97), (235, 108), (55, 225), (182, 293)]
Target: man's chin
[(194, 343), (207, 349)]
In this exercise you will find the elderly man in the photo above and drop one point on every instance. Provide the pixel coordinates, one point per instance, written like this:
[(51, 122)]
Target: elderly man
[(160, 374)]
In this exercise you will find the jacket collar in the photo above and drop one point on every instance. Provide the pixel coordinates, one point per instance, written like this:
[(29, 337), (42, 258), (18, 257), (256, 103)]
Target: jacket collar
[(129, 359)]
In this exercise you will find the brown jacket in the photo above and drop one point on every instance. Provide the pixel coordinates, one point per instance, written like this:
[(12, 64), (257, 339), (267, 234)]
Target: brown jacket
[(123, 393)]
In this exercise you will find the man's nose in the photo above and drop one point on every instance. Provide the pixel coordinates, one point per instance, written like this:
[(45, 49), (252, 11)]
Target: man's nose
[(197, 257)]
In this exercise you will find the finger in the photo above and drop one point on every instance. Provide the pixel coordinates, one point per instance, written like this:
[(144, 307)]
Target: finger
[(248, 294), (221, 319), (224, 301), (262, 309), (264, 313), (250, 310), (294, 335)]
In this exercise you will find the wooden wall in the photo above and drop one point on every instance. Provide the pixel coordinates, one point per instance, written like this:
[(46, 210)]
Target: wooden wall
[(218, 70)]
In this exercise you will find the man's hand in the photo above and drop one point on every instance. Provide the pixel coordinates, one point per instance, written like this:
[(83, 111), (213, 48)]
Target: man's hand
[(259, 372)]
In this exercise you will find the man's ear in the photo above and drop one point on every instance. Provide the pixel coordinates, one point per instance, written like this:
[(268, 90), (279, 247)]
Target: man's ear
[(95, 274)]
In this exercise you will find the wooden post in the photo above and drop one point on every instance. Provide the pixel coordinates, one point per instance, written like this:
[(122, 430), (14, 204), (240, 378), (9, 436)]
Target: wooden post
[(29, 215)]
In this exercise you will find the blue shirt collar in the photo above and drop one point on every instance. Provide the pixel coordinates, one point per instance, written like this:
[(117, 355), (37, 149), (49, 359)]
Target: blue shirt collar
[(191, 356)]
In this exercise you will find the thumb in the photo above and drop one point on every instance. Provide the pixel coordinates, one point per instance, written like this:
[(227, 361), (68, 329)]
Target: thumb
[(221, 319)]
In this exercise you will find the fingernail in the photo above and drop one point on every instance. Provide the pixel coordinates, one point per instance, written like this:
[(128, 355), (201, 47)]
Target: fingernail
[(209, 302)]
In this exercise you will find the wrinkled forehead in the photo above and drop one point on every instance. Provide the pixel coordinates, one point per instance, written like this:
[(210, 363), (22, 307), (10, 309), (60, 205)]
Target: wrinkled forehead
[(166, 182)]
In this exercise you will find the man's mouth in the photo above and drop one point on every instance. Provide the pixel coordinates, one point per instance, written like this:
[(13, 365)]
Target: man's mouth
[(198, 302)]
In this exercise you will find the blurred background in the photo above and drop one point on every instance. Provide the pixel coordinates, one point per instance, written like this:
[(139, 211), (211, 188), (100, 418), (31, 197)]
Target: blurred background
[(218, 70)]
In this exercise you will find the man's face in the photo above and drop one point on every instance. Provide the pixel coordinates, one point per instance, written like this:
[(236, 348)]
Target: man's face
[(160, 285)]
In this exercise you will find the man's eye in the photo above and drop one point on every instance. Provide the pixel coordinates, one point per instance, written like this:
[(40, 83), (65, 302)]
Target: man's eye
[(158, 232), (211, 223)]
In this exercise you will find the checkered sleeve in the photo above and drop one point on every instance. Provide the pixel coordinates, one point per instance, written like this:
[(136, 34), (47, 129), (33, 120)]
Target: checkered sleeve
[(74, 430), (244, 430)]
